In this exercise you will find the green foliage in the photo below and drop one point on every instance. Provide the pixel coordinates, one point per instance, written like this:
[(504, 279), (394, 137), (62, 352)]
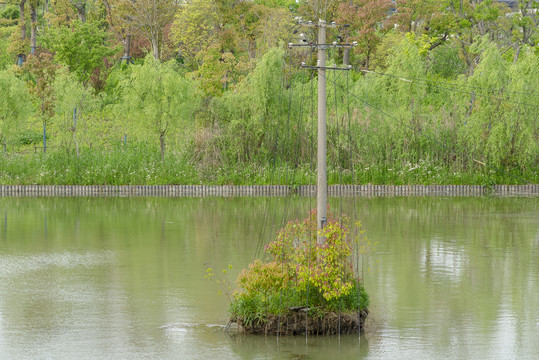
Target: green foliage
[(503, 131), (10, 12), (265, 83), (215, 71), (195, 28), (69, 93), (444, 61), (249, 307), (252, 110), (368, 22), (302, 272), (287, 4), (462, 94), (323, 266), (30, 137), (135, 163), (82, 47), (72, 100), (156, 97), (6, 58), (434, 127), (15, 105), (16, 44), (41, 72)]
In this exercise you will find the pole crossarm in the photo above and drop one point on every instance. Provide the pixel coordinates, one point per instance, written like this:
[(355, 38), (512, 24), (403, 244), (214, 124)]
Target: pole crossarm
[(323, 46), (303, 66), (320, 23)]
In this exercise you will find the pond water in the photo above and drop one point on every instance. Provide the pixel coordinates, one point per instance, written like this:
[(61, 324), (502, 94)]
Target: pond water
[(123, 278)]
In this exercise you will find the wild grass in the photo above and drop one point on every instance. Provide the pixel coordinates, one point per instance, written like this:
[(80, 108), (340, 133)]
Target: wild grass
[(140, 164), (118, 165)]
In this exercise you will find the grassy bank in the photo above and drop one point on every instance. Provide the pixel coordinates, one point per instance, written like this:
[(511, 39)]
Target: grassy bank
[(140, 164)]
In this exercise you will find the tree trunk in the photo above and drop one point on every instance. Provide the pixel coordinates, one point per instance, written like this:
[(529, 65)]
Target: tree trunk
[(81, 10), (82, 16), (44, 137), (127, 49), (517, 53), (33, 28), (75, 131), (107, 7), (467, 58), (76, 144), (44, 124), (155, 47), (481, 27), (162, 141), (368, 59), (22, 20)]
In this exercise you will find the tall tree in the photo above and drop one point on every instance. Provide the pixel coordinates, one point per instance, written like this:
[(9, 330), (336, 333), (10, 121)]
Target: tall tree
[(149, 18), (80, 5), (22, 23), (315, 9), (33, 25), (196, 26), (82, 47), (63, 13), (222, 40), (368, 24), (461, 20), (525, 24), (116, 12), (43, 71)]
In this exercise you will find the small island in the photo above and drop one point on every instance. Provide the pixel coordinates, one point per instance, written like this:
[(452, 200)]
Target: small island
[(305, 286)]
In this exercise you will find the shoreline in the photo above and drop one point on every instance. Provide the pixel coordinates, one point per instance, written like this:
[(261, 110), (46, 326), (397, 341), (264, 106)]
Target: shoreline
[(266, 190)]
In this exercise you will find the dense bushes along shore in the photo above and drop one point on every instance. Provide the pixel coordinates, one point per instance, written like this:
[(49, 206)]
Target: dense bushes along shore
[(438, 121)]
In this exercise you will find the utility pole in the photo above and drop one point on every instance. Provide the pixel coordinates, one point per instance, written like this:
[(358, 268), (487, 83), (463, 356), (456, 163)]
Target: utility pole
[(322, 183), (322, 179)]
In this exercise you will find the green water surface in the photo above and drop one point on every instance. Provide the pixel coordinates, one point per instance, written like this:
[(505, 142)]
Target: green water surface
[(122, 278)]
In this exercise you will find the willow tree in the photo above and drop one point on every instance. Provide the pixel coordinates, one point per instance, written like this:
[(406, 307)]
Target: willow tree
[(42, 73), (15, 105), (502, 124), (71, 99), (158, 98)]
